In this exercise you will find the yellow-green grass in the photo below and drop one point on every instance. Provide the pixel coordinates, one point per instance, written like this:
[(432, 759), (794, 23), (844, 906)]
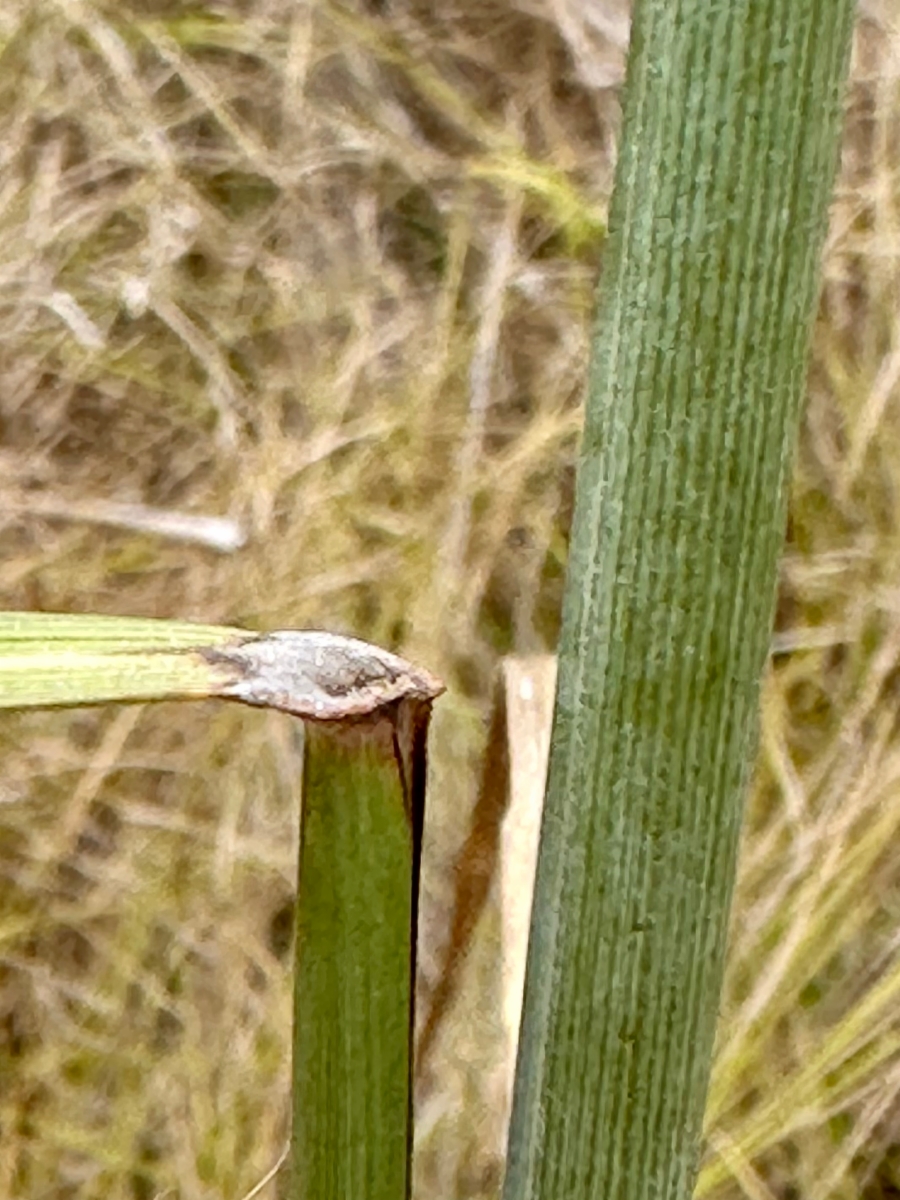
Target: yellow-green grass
[(329, 273)]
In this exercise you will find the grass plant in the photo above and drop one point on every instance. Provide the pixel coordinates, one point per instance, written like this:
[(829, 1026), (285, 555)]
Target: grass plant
[(361, 820), (289, 312)]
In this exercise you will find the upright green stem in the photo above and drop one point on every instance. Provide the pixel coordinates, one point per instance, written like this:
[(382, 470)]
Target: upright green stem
[(708, 289), (355, 966), (366, 714)]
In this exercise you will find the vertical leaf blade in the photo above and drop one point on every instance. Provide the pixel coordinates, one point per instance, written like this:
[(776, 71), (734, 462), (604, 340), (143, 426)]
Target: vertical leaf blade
[(729, 148)]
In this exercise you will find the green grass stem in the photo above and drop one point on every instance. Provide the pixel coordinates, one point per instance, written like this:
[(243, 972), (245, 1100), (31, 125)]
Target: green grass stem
[(729, 149), (356, 916), (360, 846)]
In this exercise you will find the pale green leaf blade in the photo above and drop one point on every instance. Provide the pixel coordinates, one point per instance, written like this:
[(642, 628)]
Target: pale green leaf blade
[(61, 659)]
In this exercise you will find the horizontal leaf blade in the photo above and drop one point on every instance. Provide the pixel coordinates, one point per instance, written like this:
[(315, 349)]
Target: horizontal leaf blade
[(24, 629), (61, 659)]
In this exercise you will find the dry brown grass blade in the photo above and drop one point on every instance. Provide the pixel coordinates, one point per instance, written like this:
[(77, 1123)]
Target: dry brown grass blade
[(498, 859), (530, 685)]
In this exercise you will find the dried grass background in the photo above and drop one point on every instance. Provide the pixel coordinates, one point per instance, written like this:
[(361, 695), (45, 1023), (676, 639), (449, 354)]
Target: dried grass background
[(326, 271)]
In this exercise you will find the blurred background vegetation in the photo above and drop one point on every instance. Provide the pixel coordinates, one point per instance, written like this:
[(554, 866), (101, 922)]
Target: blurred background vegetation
[(325, 271)]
